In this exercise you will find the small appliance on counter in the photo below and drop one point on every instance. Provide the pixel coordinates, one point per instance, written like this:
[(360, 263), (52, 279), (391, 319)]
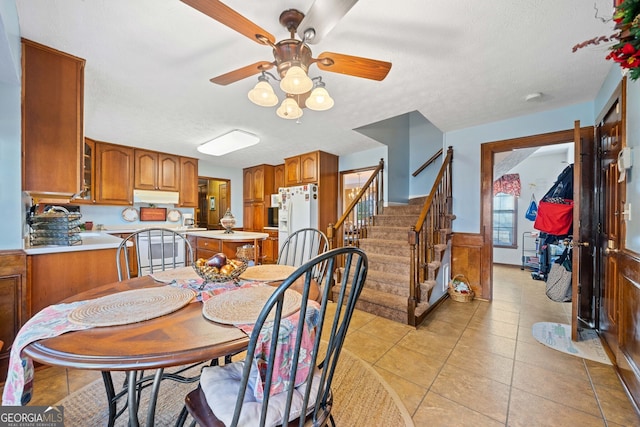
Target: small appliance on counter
[(272, 217), (187, 220)]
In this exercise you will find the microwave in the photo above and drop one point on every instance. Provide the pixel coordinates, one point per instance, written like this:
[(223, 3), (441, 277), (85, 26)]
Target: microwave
[(272, 217)]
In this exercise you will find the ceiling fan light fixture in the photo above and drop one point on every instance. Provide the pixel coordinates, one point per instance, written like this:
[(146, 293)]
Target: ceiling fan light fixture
[(296, 81), (263, 95), (289, 109), (319, 100)]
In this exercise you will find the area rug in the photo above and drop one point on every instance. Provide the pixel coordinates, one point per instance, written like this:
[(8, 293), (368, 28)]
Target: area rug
[(558, 337), (361, 397)]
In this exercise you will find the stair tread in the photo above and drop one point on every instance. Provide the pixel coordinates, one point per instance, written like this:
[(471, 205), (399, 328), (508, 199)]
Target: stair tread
[(384, 258)]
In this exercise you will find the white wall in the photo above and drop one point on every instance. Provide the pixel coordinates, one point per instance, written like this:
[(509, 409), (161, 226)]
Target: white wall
[(12, 224), (537, 173)]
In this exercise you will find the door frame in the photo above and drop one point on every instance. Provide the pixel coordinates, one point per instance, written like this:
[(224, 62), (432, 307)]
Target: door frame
[(488, 151)]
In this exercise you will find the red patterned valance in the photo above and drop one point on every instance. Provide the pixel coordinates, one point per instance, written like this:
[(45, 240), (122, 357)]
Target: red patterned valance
[(507, 184)]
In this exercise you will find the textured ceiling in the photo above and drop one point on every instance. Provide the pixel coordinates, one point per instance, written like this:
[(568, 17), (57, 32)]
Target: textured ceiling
[(458, 62)]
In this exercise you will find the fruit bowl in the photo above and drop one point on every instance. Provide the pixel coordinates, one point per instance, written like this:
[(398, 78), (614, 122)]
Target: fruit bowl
[(212, 274)]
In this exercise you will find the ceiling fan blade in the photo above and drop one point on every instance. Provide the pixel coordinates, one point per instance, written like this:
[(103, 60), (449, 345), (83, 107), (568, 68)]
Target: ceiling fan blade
[(322, 16), (241, 73), (232, 19), (353, 65)]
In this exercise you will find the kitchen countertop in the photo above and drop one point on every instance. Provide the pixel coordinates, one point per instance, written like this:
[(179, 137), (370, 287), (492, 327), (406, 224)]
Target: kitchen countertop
[(235, 236), (91, 240), (94, 240)]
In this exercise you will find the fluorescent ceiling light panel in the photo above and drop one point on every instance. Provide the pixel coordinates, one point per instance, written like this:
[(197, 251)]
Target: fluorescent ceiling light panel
[(231, 141)]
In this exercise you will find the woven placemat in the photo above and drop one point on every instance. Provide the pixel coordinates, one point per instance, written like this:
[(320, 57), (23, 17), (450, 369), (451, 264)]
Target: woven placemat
[(243, 306), (267, 272), (180, 273), (131, 306)]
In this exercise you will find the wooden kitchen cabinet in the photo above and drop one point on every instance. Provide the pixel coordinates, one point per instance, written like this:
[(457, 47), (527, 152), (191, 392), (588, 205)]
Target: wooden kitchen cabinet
[(14, 301), (302, 169), (322, 169), (156, 171), (278, 177), (188, 182), (258, 185), (114, 174), (270, 247), (88, 172), (52, 120), (74, 272)]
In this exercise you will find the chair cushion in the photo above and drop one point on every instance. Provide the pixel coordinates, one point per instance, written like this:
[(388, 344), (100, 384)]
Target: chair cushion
[(221, 385)]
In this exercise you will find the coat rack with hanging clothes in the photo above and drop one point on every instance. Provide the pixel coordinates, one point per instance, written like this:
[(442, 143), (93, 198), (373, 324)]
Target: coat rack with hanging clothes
[(554, 220)]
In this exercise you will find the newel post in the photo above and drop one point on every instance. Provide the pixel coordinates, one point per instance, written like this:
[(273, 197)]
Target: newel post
[(331, 236)]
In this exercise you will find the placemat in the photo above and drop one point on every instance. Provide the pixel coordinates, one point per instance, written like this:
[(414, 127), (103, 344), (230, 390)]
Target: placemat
[(267, 272), (131, 306), (243, 305), (179, 273)]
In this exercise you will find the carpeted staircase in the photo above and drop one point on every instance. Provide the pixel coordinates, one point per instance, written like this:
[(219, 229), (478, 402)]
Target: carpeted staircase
[(386, 289)]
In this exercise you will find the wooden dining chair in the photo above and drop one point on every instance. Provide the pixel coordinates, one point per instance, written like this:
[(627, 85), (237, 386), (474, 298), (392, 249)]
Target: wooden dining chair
[(152, 250), (225, 395), (301, 246), (140, 253)]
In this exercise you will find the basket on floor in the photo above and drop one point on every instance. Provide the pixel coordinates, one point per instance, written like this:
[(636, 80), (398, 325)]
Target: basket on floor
[(460, 289)]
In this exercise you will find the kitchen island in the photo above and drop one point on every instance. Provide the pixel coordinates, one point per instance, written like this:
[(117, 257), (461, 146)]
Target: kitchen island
[(208, 243)]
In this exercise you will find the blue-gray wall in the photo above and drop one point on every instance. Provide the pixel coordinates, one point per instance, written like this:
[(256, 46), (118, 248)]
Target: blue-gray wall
[(11, 225)]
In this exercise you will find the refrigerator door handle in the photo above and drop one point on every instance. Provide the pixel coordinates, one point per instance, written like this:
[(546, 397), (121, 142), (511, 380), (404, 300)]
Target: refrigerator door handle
[(289, 214)]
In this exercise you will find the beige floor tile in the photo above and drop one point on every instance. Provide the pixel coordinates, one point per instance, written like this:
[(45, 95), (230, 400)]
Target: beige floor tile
[(542, 356), (429, 344), (410, 365), (616, 406), (564, 389), (410, 393), (477, 339), (495, 327), (602, 374), (366, 346), (385, 329), (437, 411), (525, 335), (480, 362), (527, 410), (440, 327), (496, 315), (475, 392)]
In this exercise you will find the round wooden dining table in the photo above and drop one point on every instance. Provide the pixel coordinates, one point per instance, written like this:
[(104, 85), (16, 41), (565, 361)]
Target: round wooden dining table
[(179, 338)]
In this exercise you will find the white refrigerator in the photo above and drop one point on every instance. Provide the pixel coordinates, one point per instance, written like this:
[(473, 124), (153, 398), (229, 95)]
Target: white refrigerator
[(298, 209)]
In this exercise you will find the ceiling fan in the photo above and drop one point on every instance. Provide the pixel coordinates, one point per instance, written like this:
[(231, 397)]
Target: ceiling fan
[(292, 52)]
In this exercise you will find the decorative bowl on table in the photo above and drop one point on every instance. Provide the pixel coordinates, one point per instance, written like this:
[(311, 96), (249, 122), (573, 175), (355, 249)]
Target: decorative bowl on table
[(213, 274)]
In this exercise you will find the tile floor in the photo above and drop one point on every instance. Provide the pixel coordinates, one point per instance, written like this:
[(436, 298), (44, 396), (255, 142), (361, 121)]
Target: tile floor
[(469, 364)]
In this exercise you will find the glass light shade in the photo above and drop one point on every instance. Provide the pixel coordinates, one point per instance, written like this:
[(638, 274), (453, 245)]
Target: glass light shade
[(263, 95), (296, 81), (319, 100), (289, 109)]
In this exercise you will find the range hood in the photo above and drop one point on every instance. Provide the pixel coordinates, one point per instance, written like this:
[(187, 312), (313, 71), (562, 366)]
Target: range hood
[(156, 197)]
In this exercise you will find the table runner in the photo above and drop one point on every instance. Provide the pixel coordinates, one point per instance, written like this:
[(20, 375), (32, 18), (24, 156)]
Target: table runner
[(49, 322)]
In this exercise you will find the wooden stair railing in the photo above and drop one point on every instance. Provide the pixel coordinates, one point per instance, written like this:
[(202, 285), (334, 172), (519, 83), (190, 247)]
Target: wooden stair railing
[(358, 217), (432, 228), (427, 163)]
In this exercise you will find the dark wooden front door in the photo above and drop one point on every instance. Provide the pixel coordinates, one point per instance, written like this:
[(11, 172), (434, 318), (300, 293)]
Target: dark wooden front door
[(609, 141), (584, 240)]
